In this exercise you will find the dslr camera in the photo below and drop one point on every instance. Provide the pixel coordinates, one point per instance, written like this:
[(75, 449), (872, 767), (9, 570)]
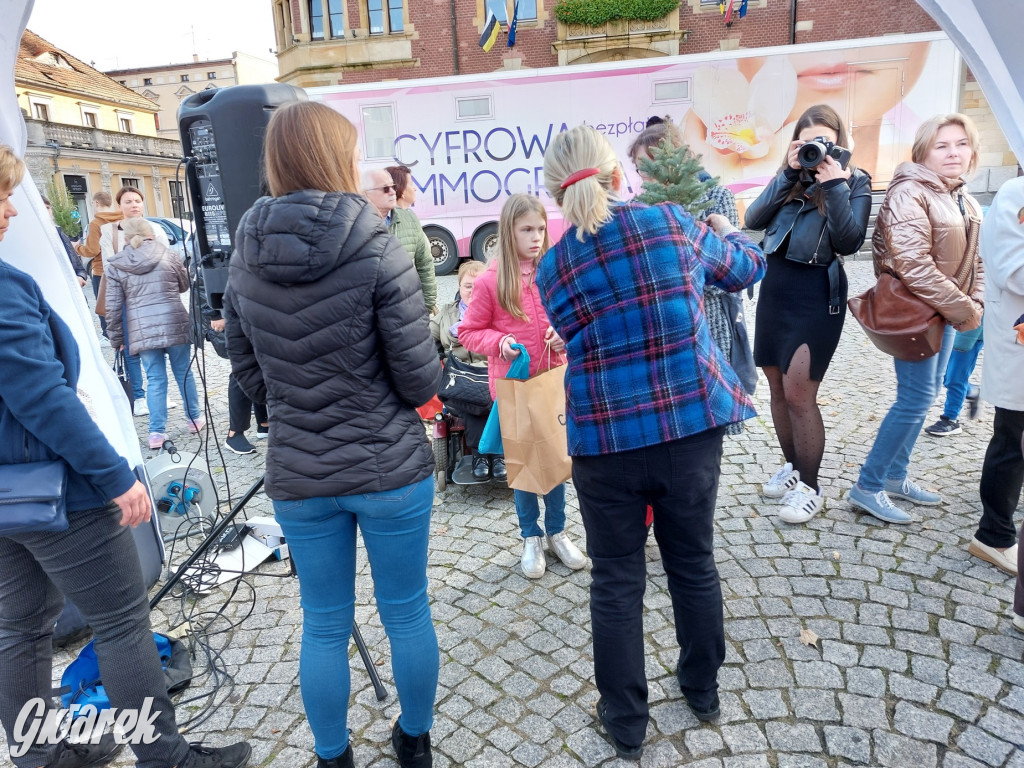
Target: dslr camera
[(813, 153)]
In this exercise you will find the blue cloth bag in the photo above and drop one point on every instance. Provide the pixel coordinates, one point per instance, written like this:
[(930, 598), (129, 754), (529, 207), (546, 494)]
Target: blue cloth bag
[(490, 440)]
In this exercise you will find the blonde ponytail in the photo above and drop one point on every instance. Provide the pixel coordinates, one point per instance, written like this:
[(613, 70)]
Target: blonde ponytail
[(136, 231), (585, 199)]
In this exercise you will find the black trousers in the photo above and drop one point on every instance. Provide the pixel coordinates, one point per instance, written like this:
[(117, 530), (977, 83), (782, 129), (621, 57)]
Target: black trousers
[(241, 408), (96, 564), (1002, 475), (679, 480)]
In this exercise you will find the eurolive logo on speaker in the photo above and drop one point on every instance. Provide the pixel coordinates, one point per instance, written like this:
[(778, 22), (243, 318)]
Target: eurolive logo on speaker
[(39, 724)]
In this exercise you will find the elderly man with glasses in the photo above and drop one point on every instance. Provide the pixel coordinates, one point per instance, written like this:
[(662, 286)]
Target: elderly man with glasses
[(379, 188)]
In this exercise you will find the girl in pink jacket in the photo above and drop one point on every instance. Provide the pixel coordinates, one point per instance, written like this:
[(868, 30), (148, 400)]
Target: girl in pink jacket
[(506, 310)]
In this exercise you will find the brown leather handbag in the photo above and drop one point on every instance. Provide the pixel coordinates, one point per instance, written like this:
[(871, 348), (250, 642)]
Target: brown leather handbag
[(899, 323)]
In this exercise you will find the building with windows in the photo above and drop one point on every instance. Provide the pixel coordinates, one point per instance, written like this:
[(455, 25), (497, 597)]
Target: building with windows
[(170, 84), (88, 131)]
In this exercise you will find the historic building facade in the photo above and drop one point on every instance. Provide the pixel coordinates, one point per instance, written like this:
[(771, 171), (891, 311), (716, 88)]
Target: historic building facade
[(89, 132), (168, 85)]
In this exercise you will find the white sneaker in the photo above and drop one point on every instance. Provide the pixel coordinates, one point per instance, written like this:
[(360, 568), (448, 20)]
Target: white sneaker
[(801, 504), (533, 561), (141, 407), (566, 551), (781, 483)]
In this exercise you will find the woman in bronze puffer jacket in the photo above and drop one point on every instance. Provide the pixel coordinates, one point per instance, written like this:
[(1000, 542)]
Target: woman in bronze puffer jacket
[(926, 227)]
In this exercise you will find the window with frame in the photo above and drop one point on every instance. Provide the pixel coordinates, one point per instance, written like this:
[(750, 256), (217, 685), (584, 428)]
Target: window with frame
[(379, 131), (316, 19), (336, 17), (125, 123), (500, 9), (147, 81), (386, 16), (177, 201), (41, 111), (90, 119), (184, 78), (128, 181), (473, 108), (211, 75)]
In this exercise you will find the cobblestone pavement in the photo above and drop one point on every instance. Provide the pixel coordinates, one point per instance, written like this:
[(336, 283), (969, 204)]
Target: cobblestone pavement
[(917, 664)]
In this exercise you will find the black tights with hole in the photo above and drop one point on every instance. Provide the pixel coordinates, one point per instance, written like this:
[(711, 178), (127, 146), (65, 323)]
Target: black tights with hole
[(797, 418)]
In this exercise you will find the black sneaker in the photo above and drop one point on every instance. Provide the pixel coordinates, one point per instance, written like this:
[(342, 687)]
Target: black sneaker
[(411, 751), (625, 751), (238, 444), (709, 715), (944, 427), (262, 431), (233, 756), (87, 755)]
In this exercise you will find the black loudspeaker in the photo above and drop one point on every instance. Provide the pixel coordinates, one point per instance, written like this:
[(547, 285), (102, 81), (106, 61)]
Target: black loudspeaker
[(222, 135)]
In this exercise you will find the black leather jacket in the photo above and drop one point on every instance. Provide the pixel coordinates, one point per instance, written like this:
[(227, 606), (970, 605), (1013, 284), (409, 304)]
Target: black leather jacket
[(813, 238)]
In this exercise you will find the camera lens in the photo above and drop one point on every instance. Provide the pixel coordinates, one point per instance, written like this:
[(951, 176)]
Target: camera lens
[(810, 154)]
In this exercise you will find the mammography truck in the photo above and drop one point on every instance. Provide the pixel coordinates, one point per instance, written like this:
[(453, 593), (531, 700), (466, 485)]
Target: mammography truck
[(473, 140)]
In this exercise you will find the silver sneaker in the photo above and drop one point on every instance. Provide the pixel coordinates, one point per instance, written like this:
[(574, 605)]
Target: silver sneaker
[(533, 561), (566, 551)]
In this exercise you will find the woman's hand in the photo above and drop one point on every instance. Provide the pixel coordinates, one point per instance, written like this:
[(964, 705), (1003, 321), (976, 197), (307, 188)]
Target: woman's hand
[(830, 169), (554, 341), (217, 325), (507, 352), (973, 321), (720, 224), (135, 505), (794, 150)]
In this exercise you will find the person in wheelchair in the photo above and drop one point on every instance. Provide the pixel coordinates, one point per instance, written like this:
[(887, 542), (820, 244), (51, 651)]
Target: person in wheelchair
[(444, 326)]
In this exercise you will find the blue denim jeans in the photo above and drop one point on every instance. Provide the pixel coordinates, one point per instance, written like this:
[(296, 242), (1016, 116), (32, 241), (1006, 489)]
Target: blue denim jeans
[(156, 372), (528, 509), (958, 378), (321, 535), (917, 384), (132, 363)]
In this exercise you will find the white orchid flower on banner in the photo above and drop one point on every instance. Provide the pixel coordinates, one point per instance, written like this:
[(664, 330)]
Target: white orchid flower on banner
[(736, 123)]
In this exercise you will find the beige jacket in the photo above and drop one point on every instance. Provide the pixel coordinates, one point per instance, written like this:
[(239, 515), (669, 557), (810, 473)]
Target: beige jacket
[(440, 329), (921, 236)]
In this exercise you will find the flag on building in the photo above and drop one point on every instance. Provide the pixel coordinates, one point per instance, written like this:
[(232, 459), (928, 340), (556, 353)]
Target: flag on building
[(728, 13), (512, 26), (743, 8), (490, 34)]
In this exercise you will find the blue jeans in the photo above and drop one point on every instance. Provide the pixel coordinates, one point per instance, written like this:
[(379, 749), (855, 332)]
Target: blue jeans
[(958, 378), (132, 363), (528, 509), (156, 371), (917, 384), (321, 535)]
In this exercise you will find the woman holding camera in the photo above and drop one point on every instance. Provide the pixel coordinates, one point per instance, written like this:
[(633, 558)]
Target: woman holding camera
[(815, 209), (925, 233)]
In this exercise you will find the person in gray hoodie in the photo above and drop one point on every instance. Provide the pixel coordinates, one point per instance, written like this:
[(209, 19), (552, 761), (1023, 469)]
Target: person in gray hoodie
[(148, 279)]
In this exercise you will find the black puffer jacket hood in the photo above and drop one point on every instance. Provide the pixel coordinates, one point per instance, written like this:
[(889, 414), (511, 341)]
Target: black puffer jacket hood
[(326, 323)]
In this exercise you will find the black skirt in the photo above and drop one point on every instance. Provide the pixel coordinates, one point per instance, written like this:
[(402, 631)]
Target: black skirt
[(792, 309)]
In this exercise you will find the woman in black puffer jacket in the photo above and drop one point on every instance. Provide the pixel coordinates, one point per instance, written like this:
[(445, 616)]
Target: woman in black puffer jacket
[(326, 324)]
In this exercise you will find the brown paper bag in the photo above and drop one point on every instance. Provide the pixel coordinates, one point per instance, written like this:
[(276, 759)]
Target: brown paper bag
[(532, 415)]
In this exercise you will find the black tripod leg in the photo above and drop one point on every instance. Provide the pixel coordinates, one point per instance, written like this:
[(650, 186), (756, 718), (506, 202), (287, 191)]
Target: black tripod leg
[(371, 670)]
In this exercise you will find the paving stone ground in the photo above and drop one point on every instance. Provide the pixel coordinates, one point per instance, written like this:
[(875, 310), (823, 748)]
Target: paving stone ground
[(916, 666)]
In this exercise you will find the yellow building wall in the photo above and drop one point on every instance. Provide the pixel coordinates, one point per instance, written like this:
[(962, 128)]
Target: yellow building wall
[(68, 110)]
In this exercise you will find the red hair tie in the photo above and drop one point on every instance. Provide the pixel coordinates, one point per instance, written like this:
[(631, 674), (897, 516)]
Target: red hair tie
[(572, 178)]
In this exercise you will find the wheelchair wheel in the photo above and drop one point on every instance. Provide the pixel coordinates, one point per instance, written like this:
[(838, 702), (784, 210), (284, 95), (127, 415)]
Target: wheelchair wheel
[(439, 445)]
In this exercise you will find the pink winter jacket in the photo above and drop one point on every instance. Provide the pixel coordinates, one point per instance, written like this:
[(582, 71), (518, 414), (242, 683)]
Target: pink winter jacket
[(486, 324)]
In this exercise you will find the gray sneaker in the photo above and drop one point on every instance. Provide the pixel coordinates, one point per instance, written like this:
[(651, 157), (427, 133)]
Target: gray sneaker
[(879, 505), (911, 491), (944, 427)]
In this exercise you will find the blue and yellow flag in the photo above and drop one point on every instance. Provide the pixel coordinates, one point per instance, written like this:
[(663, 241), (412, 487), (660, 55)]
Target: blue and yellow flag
[(490, 34)]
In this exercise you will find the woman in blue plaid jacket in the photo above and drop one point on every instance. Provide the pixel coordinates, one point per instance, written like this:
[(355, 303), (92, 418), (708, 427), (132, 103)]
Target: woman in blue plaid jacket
[(648, 397)]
